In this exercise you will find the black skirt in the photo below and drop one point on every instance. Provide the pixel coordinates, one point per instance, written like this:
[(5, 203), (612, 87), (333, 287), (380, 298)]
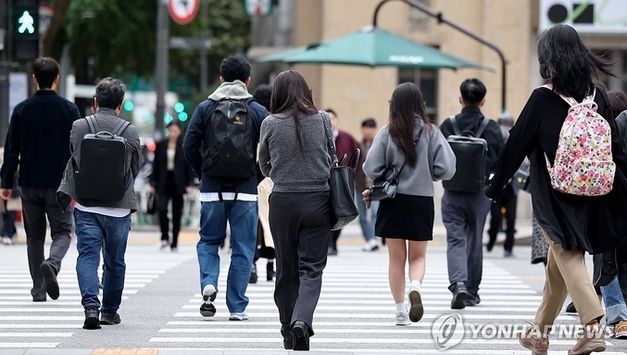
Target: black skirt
[(406, 217)]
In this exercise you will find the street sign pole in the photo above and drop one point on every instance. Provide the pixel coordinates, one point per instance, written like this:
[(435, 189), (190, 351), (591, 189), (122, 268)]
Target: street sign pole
[(161, 67), (4, 70)]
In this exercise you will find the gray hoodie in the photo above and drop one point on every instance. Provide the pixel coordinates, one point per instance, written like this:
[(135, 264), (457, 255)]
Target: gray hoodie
[(434, 153)]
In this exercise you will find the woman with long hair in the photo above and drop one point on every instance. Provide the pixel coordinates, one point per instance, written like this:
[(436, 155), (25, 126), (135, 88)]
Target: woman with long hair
[(170, 180), (412, 145), (294, 153), (571, 224)]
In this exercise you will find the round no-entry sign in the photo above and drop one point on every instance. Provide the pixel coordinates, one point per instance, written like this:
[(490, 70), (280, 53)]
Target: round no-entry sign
[(183, 11)]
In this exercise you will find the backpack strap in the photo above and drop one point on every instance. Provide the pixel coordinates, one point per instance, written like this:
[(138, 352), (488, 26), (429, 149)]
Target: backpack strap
[(455, 126), (93, 125), (483, 126), (119, 129)]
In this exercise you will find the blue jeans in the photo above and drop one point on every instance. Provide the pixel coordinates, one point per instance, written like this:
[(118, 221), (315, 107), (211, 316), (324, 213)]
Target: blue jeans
[(615, 308), (95, 231), (242, 217), (367, 225)]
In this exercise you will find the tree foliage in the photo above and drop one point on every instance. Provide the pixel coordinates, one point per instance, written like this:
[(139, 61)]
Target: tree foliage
[(118, 38)]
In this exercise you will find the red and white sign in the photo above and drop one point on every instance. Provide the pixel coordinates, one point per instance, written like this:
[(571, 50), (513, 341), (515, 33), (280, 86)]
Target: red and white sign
[(46, 13), (183, 11), (258, 7)]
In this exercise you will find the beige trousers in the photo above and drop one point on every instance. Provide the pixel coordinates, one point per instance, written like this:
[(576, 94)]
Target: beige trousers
[(566, 273)]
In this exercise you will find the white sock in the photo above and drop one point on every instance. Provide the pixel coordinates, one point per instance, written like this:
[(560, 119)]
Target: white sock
[(414, 284), (401, 308)]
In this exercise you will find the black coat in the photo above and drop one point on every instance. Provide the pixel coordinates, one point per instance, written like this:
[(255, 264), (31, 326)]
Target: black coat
[(183, 174), (593, 224)]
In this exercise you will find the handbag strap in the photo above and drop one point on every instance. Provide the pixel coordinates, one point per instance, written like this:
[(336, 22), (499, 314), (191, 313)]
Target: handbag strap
[(330, 142)]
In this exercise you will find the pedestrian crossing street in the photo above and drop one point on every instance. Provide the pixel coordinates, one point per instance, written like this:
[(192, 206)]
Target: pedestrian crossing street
[(27, 324), (356, 313)]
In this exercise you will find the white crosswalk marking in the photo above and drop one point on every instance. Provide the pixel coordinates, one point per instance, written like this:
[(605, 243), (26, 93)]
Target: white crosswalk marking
[(28, 324), (356, 313)]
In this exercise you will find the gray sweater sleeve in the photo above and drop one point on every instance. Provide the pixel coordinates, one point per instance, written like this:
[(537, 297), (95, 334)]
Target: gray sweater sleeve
[(375, 164), (444, 159), (264, 153)]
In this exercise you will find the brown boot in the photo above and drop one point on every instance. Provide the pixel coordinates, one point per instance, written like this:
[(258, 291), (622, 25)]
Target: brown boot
[(591, 339), (535, 341)]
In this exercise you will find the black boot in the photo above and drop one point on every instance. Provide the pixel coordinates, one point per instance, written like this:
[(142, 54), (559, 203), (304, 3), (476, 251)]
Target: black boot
[(269, 271), (253, 275)]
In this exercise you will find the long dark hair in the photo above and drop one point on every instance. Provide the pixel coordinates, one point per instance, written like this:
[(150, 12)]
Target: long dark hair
[(568, 63), (406, 105), (291, 95)]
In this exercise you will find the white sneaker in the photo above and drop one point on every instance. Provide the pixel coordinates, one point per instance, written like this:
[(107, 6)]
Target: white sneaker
[(402, 318), (7, 241), (239, 316), (164, 244), (370, 245), (209, 293)]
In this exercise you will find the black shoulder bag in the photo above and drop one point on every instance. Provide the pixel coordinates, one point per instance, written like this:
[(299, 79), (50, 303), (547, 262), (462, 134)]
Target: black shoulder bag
[(342, 207)]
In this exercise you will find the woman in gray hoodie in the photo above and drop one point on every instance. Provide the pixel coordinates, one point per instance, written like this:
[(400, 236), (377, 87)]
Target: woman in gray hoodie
[(293, 152), (409, 143)]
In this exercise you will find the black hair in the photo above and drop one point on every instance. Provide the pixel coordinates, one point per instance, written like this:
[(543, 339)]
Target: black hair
[(235, 68), (46, 70), (331, 111), (110, 93), (292, 95), (473, 91), (369, 122), (568, 63), (262, 95), (406, 105), (174, 123)]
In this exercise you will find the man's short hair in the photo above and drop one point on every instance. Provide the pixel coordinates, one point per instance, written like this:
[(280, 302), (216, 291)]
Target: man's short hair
[(331, 111), (46, 70), (110, 93), (473, 91), (235, 68), (369, 122)]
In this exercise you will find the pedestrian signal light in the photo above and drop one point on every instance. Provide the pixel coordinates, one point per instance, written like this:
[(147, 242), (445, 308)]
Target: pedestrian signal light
[(25, 29), (183, 116), (179, 107)]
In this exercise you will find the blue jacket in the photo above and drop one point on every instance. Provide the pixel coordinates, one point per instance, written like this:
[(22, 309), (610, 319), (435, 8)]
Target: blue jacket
[(197, 138), (39, 141)]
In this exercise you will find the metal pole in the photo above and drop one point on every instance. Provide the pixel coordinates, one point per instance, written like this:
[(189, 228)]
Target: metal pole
[(4, 70), (441, 19), (161, 67), (204, 66)]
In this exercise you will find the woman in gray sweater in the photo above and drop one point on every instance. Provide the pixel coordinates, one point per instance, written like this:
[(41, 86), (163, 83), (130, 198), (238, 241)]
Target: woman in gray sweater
[(409, 141), (294, 153)]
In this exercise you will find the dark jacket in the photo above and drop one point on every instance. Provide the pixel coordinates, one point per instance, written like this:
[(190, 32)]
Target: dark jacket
[(197, 141), (346, 144), (38, 141), (107, 121), (593, 224), (183, 174), (469, 120)]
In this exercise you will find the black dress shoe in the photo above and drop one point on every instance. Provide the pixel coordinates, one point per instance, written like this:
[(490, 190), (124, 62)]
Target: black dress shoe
[(92, 320), (288, 342), (50, 277), (571, 308), (301, 335), (459, 296)]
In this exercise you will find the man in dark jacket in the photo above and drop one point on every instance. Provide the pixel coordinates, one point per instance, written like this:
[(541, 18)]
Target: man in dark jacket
[(102, 224), (464, 214), (222, 200), (38, 141)]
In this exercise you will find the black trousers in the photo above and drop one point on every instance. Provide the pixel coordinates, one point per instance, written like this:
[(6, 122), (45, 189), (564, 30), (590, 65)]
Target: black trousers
[(36, 205), (300, 226), (177, 210), (508, 201)]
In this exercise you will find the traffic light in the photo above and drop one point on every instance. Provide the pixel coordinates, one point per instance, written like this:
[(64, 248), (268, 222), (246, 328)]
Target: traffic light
[(25, 29)]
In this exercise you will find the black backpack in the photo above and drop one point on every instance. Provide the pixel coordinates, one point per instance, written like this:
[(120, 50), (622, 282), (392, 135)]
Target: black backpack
[(470, 151), (102, 173), (230, 155)]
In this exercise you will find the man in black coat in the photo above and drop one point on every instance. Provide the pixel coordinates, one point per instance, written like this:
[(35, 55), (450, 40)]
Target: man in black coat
[(38, 141)]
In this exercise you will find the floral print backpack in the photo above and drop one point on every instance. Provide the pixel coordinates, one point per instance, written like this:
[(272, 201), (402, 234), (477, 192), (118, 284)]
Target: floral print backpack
[(583, 163)]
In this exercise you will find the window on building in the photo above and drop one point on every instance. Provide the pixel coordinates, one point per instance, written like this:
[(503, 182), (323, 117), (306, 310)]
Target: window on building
[(427, 81)]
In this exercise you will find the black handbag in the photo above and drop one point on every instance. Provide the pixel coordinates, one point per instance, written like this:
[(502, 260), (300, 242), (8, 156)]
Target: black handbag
[(151, 204), (520, 180), (342, 207), (385, 186)]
